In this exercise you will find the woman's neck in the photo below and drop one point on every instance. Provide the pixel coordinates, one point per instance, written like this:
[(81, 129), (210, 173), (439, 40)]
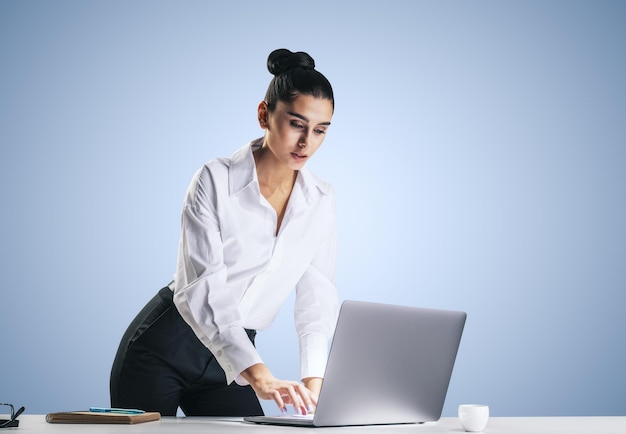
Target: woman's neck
[(270, 173)]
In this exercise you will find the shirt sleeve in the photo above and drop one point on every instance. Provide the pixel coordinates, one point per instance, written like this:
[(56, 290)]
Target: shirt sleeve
[(201, 292), (316, 306)]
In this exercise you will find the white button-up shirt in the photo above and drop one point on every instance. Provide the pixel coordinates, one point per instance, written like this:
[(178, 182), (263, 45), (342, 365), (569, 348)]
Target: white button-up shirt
[(235, 273)]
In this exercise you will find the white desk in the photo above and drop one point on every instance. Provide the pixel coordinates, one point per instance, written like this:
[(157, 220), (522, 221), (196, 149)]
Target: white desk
[(206, 425)]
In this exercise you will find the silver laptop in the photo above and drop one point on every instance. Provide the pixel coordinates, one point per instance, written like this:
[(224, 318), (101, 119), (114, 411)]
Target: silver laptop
[(387, 364)]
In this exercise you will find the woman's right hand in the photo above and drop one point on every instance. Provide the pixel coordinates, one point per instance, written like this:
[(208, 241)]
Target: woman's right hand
[(283, 392)]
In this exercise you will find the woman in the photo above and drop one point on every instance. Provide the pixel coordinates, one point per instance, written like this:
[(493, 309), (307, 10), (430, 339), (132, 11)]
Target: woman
[(254, 226)]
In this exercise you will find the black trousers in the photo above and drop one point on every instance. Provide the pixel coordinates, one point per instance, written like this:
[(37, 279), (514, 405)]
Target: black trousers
[(161, 365)]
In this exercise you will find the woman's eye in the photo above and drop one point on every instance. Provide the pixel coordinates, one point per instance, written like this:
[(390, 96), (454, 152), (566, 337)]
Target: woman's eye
[(296, 124), (318, 131)]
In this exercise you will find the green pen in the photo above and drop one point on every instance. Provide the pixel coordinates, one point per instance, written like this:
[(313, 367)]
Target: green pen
[(115, 410)]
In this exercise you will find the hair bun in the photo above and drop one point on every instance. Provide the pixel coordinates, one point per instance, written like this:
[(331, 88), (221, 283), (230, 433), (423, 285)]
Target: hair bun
[(282, 60)]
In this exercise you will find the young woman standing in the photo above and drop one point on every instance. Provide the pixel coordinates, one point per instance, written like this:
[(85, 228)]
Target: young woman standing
[(254, 227)]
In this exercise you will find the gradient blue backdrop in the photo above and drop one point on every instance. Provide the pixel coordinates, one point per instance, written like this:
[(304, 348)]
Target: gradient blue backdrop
[(478, 150)]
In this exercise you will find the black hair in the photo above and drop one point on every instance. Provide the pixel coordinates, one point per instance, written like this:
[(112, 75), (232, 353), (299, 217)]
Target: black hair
[(295, 74)]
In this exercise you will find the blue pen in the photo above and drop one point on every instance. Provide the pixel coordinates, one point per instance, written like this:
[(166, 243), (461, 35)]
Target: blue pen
[(115, 410)]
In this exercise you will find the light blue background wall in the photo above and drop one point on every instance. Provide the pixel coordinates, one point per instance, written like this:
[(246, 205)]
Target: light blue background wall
[(478, 150)]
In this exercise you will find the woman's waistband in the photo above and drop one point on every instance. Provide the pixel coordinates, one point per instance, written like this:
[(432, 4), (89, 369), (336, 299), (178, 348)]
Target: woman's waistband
[(167, 294)]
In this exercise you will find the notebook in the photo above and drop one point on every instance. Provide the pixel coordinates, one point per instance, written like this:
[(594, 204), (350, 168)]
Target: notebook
[(387, 364), (99, 418)]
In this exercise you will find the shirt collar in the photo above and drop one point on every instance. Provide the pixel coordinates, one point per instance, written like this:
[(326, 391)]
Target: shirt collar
[(242, 171), (242, 174)]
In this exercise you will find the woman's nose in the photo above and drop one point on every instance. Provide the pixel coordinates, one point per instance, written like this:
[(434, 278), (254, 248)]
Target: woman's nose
[(303, 141)]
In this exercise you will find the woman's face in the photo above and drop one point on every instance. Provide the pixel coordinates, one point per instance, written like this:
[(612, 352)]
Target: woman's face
[(296, 130)]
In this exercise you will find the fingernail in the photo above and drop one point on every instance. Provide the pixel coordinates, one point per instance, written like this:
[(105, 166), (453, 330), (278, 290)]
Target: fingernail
[(283, 410), (309, 407)]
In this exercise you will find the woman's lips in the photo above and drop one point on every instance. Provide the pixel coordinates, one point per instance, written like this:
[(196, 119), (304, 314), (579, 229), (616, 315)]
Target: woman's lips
[(298, 157)]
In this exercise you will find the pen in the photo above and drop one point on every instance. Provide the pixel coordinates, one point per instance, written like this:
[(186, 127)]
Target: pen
[(115, 410)]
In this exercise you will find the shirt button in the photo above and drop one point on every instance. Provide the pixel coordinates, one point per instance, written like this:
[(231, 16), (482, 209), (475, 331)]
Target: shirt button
[(219, 353)]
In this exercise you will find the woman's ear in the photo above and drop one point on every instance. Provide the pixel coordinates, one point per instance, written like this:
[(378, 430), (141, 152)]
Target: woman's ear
[(263, 115)]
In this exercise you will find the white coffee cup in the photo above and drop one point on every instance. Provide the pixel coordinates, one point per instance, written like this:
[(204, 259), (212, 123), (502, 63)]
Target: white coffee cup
[(473, 417)]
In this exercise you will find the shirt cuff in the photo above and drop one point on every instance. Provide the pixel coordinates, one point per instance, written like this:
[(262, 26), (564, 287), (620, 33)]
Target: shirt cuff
[(313, 355), (236, 354)]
